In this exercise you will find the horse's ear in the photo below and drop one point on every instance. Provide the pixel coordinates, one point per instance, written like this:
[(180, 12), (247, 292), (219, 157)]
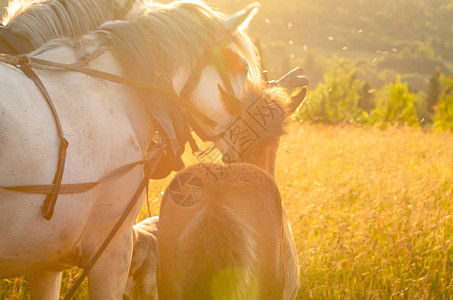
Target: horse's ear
[(297, 100), (232, 104), (242, 18)]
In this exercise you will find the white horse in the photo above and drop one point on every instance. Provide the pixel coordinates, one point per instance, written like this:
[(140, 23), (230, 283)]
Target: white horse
[(107, 125), (31, 23)]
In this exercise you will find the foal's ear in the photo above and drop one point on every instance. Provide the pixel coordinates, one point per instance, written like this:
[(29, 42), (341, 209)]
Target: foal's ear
[(242, 18), (232, 104), (297, 100)]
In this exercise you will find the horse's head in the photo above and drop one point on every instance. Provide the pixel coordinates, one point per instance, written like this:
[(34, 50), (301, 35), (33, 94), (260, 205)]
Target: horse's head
[(260, 119), (226, 57), (213, 64), (209, 61)]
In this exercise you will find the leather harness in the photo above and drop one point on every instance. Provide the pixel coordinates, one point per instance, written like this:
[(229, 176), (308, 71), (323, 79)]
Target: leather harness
[(154, 156), (27, 63)]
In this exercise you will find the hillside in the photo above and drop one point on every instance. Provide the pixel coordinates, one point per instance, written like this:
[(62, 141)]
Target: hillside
[(381, 38)]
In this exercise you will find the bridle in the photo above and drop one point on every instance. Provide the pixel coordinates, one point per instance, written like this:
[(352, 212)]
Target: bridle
[(192, 83)]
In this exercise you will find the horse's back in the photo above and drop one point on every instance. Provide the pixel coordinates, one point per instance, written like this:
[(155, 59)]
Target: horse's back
[(232, 234)]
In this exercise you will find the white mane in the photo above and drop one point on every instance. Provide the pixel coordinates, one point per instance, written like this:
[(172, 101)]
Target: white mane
[(179, 32), (42, 20)]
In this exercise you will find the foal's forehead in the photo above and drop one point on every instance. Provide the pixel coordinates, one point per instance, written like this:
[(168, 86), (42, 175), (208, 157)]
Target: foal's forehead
[(271, 98), (263, 115)]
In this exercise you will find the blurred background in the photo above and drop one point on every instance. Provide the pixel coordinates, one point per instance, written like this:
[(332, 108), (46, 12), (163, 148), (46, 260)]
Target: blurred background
[(369, 62), (381, 39), (364, 52)]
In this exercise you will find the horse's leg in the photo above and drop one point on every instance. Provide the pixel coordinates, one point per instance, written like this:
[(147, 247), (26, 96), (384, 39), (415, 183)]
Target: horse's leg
[(107, 279), (45, 285)]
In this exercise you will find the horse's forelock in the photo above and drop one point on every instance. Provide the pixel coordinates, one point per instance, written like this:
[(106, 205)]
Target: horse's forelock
[(250, 53), (178, 31), (185, 28)]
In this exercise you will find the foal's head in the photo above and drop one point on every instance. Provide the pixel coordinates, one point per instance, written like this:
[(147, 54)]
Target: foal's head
[(260, 120)]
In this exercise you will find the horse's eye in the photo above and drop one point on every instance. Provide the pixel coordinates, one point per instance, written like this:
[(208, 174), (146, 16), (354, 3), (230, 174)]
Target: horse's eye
[(245, 66), (229, 62)]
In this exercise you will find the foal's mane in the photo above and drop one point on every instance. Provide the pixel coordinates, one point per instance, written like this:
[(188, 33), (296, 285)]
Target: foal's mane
[(42, 20), (177, 34)]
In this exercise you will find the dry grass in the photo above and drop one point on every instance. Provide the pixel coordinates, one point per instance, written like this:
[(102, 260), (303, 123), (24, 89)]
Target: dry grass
[(371, 212)]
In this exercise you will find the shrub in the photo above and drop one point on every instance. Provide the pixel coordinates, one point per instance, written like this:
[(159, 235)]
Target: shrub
[(422, 110), (395, 106)]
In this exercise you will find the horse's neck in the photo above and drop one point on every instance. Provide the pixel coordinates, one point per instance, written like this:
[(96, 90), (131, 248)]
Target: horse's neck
[(103, 60), (135, 107)]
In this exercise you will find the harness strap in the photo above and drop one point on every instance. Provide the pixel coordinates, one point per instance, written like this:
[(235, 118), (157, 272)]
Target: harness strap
[(127, 81), (191, 140), (150, 169), (194, 77), (26, 63), (188, 89), (75, 188), (182, 99), (52, 195)]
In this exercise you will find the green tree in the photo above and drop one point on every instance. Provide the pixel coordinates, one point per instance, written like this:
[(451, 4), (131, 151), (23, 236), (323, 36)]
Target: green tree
[(443, 117), (433, 91), (335, 100), (395, 106)]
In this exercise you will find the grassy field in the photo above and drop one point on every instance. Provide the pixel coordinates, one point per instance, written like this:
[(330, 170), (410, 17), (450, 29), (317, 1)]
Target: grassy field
[(371, 212)]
